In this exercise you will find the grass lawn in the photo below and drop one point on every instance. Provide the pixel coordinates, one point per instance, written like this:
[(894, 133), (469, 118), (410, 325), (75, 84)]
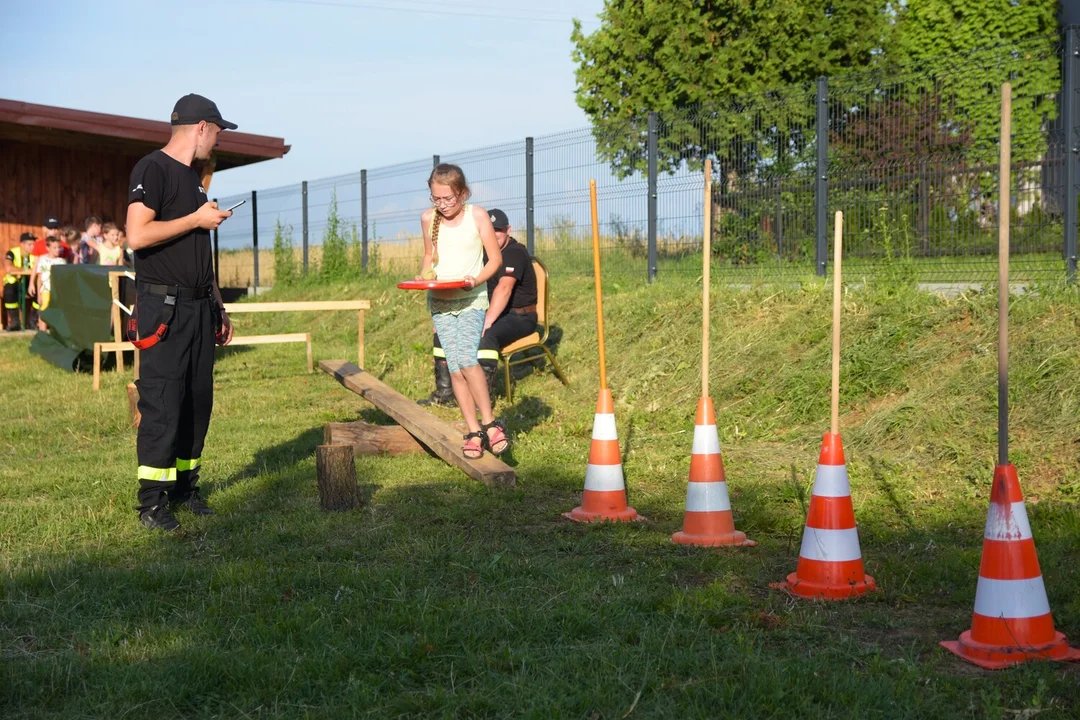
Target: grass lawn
[(442, 598)]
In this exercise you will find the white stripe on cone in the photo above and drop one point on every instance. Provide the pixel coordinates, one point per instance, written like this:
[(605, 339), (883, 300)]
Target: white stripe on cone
[(831, 481), (707, 497), (604, 478), (830, 545), (706, 440), (603, 427), (1007, 522), (1011, 598)]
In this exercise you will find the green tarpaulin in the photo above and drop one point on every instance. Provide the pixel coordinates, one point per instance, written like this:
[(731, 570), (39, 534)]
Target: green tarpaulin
[(79, 314)]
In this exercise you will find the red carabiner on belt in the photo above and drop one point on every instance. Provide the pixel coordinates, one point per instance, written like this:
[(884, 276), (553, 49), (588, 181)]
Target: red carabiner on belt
[(162, 324)]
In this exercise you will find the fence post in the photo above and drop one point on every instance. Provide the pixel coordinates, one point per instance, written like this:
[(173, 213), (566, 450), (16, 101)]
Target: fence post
[(1070, 125), (652, 152), (821, 195), (780, 217), (217, 257), (530, 220), (363, 220), (305, 222), (255, 236)]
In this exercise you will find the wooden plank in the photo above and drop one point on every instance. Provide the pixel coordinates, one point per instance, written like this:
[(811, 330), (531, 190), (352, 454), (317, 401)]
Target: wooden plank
[(441, 437), (298, 306), (114, 346), (268, 339)]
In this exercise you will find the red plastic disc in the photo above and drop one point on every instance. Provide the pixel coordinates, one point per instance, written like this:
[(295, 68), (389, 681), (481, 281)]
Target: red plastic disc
[(432, 285)]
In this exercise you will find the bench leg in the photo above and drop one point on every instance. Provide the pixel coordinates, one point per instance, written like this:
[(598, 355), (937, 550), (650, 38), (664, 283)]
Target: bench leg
[(97, 366), (506, 378), (360, 337), (310, 367)]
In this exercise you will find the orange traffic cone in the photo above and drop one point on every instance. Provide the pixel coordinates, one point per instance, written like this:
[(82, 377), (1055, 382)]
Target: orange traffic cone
[(708, 520), (1012, 621), (605, 492), (830, 560)]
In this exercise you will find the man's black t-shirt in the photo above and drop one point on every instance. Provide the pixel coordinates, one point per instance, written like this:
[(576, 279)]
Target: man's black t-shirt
[(516, 263), (172, 190)]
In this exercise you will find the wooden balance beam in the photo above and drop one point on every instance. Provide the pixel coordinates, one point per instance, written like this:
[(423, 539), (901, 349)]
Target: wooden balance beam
[(439, 436)]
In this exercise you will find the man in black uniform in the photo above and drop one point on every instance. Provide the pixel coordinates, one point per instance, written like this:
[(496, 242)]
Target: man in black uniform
[(179, 311), (511, 313)]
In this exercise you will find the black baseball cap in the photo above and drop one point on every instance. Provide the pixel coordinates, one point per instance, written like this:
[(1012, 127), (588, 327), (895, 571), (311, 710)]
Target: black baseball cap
[(498, 219), (27, 236), (52, 223), (193, 109)]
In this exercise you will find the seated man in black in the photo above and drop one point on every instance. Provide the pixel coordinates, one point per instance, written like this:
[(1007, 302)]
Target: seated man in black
[(511, 312)]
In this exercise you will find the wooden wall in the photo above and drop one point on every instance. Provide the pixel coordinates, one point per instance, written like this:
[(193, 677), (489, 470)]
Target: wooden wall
[(39, 180)]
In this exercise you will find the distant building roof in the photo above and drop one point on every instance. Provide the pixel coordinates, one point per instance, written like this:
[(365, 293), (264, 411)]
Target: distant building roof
[(63, 127)]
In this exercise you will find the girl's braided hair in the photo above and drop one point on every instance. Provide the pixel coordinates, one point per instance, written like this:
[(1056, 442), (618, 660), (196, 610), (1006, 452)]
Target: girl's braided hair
[(452, 175), (435, 222)]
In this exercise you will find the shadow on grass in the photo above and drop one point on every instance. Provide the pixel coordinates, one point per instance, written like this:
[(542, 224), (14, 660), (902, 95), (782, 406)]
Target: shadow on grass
[(275, 604)]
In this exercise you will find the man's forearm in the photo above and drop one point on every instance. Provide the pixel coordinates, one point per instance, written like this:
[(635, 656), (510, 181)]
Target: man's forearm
[(217, 294), (156, 232), (499, 300)]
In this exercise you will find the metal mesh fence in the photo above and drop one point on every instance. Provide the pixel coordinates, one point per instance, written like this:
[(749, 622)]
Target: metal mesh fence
[(908, 154), (914, 157)]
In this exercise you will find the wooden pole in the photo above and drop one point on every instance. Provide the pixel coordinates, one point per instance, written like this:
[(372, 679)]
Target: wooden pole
[(596, 281), (837, 254), (1003, 274), (706, 258), (336, 476)]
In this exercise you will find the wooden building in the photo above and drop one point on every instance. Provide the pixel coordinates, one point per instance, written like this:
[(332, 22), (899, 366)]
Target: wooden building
[(72, 163)]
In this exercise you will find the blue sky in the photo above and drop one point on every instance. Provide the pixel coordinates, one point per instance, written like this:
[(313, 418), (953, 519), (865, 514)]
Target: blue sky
[(348, 83)]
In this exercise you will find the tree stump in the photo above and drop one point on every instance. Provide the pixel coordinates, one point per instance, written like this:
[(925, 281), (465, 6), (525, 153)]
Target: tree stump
[(368, 439), (336, 473), (133, 404)]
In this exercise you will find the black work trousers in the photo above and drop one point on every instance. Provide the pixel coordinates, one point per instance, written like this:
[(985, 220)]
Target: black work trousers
[(176, 397), (506, 329)]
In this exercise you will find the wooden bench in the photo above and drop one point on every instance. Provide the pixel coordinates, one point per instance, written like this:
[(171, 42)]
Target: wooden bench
[(120, 346), (237, 340)]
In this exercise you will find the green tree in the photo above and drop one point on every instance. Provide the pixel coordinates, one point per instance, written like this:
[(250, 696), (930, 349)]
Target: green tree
[(676, 55), (965, 49)]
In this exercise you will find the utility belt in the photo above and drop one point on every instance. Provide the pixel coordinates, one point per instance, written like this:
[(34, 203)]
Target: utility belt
[(527, 310), (171, 293)]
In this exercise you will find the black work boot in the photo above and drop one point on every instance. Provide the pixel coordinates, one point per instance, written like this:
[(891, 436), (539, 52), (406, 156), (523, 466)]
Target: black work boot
[(444, 389), (490, 371), (159, 518), (192, 502)]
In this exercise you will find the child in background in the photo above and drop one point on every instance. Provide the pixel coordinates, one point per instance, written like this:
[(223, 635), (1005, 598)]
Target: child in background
[(43, 275), (128, 256), (70, 237), (89, 242), (456, 236), (109, 251)]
